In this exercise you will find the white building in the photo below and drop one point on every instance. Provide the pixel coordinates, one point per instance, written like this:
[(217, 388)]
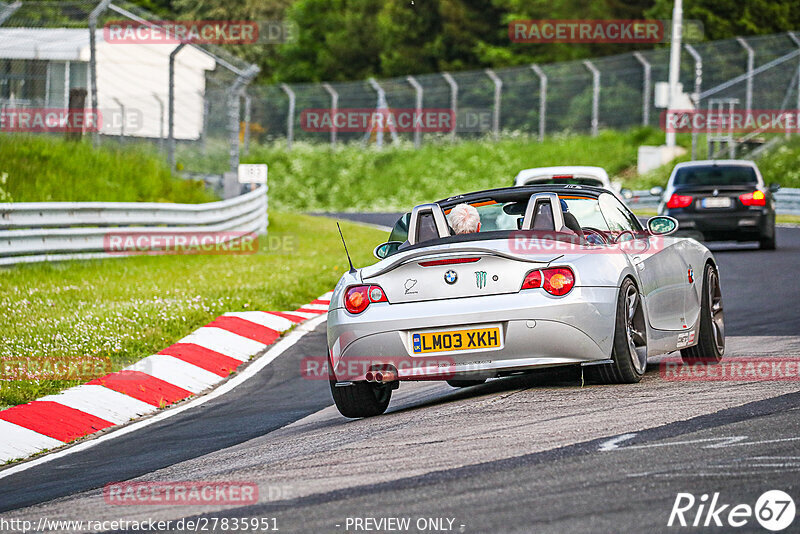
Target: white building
[(38, 67)]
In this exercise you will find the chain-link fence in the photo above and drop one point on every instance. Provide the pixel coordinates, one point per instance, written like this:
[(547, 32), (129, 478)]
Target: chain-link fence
[(538, 100), (212, 111), (64, 70)]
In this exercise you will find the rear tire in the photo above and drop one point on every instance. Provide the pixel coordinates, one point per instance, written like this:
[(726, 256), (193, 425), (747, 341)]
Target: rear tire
[(711, 335), (766, 243), (361, 399), (465, 383), (630, 340)]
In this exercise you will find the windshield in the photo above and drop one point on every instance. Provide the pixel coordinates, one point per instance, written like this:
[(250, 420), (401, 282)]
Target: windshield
[(607, 215), (715, 175)]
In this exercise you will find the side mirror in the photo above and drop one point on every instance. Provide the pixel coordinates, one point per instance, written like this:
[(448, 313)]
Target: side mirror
[(773, 187), (626, 193), (661, 225), (657, 191), (386, 249)]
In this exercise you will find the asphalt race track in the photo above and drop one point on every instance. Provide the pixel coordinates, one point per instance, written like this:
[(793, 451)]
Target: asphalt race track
[(532, 453)]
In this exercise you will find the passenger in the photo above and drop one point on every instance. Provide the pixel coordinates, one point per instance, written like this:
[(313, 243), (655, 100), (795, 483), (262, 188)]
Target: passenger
[(464, 219)]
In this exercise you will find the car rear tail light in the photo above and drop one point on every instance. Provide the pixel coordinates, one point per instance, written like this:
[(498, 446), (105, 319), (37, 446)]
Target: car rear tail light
[(557, 281), (756, 198), (679, 201), (562, 177), (449, 261), (532, 280), (357, 298)]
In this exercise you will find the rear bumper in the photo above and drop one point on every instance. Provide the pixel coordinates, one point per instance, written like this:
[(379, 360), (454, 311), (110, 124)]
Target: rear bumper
[(537, 331), (740, 225)]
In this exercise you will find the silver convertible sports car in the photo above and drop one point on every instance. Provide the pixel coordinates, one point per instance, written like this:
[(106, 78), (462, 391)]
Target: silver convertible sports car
[(556, 275)]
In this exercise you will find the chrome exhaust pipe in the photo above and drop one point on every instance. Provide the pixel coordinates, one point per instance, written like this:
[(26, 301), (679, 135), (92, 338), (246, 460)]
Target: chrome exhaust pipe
[(385, 376), (369, 376)]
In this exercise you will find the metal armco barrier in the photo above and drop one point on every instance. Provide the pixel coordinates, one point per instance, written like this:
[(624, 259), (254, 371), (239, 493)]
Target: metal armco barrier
[(51, 231), (787, 200)]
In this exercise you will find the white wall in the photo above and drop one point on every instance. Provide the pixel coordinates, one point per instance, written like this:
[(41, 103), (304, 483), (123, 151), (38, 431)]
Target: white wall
[(133, 73)]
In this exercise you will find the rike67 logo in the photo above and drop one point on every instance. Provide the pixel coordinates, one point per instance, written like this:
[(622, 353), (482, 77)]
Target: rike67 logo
[(774, 510)]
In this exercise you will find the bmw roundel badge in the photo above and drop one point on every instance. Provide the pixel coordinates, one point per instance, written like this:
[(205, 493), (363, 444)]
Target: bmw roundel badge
[(450, 277)]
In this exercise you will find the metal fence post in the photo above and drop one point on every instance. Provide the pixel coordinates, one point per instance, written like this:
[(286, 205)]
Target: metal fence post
[(290, 118), (171, 108), (9, 10), (595, 95), (160, 121), (247, 108), (796, 41), (96, 12), (204, 133), (383, 105), (236, 91), (498, 93), (698, 84), (645, 87), (542, 99), (334, 108), (418, 107), (122, 124), (453, 100), (748, 99)]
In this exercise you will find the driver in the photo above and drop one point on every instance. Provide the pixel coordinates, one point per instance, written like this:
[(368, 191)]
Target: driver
[(464, 219)]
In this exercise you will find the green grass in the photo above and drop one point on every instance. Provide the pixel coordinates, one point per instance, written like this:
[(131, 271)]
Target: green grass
[(782, 164), (126, 309), (42, 168), (352, 178)]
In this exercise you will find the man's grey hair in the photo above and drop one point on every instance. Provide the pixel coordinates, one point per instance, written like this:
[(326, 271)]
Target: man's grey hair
[(464, 219)]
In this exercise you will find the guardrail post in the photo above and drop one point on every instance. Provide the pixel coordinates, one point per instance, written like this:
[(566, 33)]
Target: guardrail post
[(748, 99), (595, 95), (542, 99), (698, 84), (96, 12), (418, 92), (171, 107), (498, 93), (453, 100), (334, 109), (647, 80), (290, 118)]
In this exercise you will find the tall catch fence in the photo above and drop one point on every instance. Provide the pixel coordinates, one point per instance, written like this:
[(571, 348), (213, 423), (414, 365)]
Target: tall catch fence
[(209, 112)]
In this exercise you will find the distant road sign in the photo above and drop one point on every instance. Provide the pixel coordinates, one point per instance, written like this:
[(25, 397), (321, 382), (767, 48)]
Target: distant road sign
[(253, 173)]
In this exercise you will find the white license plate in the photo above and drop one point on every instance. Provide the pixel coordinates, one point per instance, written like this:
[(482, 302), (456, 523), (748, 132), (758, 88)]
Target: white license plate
[(716, 202)]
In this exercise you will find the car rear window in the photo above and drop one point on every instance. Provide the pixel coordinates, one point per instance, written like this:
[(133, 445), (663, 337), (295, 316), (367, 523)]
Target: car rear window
[(562, 180), (715, 175)]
